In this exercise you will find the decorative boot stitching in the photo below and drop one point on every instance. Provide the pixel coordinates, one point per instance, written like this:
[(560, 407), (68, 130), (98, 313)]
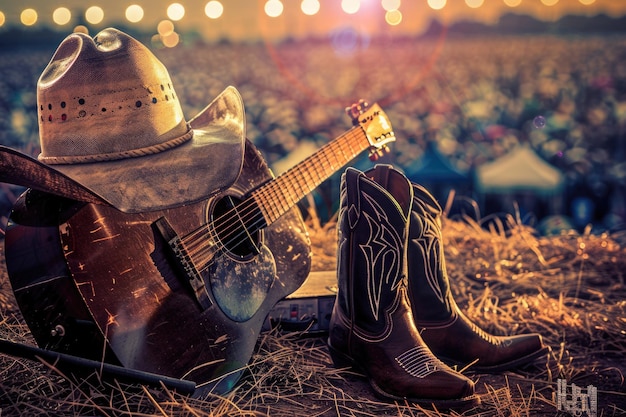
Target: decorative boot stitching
[(494, 340), (430, 245), (419, 362), (381, 251)]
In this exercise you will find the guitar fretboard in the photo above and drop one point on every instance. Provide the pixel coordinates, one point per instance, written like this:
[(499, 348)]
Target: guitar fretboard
[(279, 195)]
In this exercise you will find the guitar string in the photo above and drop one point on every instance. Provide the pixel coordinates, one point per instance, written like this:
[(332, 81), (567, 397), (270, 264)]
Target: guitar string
[(204, 253), (195, 242)]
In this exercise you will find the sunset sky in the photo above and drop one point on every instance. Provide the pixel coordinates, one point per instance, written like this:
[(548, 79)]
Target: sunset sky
[(246, 19)]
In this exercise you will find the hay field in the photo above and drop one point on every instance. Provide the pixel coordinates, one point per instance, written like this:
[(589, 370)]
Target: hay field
[(569, 287)]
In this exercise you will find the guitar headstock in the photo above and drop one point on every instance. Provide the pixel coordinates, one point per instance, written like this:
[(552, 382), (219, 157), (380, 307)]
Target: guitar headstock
[(375, 124)]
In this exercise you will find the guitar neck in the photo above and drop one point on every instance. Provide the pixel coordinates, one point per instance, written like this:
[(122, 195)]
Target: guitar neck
[(279, 195)]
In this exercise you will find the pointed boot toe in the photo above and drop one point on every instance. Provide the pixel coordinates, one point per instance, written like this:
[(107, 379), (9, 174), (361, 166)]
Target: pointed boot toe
[(463, 343)]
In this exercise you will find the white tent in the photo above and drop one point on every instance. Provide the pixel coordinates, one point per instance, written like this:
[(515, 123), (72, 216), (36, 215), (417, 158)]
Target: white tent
[(521, 177), (520, 170)]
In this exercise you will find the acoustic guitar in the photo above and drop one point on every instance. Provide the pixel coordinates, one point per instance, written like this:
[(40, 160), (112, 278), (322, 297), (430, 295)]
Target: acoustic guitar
[(181, 292)]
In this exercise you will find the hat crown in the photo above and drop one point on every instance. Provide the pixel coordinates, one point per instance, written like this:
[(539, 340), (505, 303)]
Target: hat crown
[(106, 98)]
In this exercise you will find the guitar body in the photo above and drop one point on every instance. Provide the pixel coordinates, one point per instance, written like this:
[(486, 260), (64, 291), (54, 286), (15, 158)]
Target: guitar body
[(98, 283)]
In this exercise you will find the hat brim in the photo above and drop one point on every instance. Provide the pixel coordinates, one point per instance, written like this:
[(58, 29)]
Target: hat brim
[(208, 163)]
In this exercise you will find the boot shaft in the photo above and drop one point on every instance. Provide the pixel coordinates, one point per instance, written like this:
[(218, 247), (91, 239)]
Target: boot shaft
[(372, 233), (429, 289)]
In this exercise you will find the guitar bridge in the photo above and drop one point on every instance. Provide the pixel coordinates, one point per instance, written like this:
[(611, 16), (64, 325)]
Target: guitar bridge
[(184, 262)]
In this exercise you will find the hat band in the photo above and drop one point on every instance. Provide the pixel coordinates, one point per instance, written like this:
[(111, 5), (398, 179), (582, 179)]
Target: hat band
[(113, 156)]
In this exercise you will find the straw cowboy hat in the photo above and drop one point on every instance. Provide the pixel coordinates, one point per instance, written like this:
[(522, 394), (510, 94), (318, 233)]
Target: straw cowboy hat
[(112, 131)]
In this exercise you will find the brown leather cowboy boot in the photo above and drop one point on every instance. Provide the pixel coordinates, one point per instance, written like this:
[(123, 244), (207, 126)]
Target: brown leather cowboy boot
[(371, 326), (449, 334)]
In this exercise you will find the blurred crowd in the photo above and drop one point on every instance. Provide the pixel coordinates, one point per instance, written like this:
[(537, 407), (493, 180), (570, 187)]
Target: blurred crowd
[(474, 99)]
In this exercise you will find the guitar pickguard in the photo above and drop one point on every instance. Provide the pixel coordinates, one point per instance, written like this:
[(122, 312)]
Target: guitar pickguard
[(239, 288)]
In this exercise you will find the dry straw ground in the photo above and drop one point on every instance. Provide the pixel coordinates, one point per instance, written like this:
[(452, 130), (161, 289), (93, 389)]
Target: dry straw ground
[(570, 288)]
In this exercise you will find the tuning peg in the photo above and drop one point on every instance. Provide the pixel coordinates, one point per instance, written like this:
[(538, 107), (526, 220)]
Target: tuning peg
[(353, 111), (356, 109), (378, 153), (362, 106)]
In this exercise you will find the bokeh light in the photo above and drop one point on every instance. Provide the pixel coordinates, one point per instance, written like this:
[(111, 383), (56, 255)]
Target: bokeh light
[(94, 15), (474, 4), (310, 7), (81, 29), (165, 27), (393, 17), (539, 122), (175, 11), (28, 17), (61, 16), (350, 6), (436, 4), (390, 5), (214, 9), (170, 40), (273, 8), (134, 13)]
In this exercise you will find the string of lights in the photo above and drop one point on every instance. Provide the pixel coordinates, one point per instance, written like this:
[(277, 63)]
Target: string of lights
[(281, 16), (214, 9)]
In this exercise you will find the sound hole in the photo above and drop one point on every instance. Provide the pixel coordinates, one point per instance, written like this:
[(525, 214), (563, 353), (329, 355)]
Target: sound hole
[(237, 227)]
